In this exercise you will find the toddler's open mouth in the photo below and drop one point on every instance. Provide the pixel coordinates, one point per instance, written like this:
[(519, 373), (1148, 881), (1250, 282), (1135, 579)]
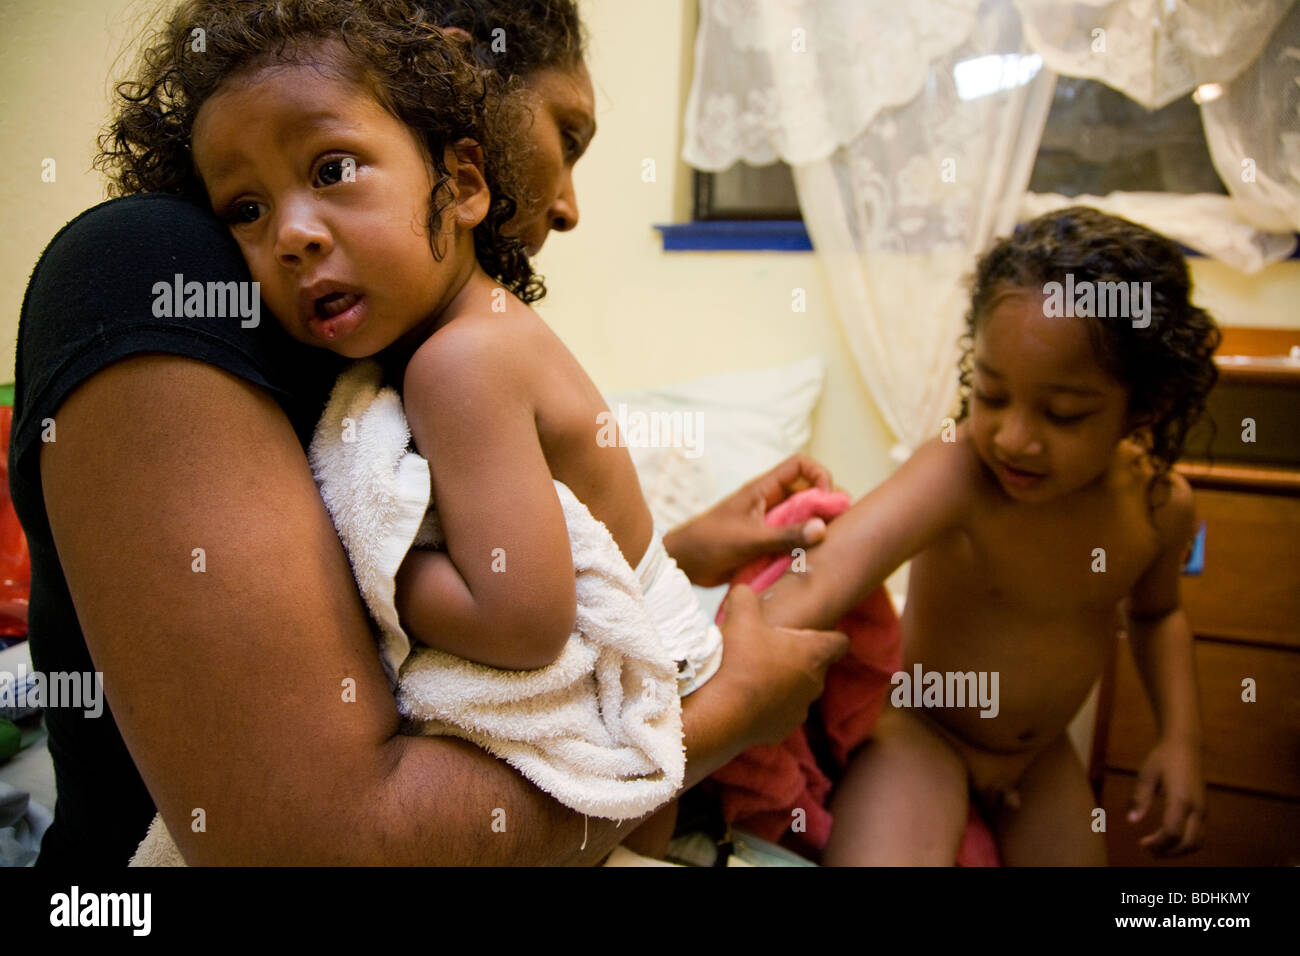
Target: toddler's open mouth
[(336, 303), (331, 310)]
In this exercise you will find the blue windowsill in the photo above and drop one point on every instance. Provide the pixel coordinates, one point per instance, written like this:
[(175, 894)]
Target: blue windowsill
[(768, 235)]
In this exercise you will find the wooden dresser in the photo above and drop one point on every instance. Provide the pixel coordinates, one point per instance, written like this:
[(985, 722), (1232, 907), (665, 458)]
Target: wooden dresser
[(1244, 608)]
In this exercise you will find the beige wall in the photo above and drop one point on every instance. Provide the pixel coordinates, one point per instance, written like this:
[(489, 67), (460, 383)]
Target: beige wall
[(55, 61), (634, 315)]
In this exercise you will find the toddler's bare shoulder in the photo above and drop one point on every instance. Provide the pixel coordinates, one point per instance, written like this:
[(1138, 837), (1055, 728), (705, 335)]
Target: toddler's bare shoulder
[(475, 351)]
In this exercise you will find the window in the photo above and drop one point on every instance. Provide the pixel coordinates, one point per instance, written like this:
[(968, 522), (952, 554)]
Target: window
[(1099, 141), (1096, 141), (746, 192)]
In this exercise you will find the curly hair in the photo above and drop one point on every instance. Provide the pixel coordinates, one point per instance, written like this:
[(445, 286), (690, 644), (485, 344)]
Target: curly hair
[(1167, 365), (552, 28), (421, 75)]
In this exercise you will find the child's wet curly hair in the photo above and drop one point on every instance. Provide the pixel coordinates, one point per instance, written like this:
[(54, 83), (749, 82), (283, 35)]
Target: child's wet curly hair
[(1168, 366), (424, 77)]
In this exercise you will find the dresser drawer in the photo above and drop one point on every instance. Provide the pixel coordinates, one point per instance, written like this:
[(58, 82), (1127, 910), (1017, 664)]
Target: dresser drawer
[(1274, 407), (1254, 746), (1241, 829), (1250, 589)]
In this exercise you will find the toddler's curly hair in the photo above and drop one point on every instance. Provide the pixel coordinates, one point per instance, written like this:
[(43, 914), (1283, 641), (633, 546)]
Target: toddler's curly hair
[(1168, 365), (423, 76)]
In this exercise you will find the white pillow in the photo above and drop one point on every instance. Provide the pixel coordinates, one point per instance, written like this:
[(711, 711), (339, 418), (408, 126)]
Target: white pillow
[(698, 441)]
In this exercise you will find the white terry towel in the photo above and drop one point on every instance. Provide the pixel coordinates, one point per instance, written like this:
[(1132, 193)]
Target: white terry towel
[(599, 729)]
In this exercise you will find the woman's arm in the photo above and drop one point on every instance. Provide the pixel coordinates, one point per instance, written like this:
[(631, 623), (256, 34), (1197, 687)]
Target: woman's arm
[(503, 594), (252, 689), (1162, 646)]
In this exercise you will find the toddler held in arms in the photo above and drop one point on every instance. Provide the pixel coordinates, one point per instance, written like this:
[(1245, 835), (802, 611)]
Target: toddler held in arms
[(360, 200), (1050, 504), (360, 160)]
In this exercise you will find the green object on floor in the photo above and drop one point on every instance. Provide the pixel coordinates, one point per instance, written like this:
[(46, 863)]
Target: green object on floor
[(750, 849), (10, 739)]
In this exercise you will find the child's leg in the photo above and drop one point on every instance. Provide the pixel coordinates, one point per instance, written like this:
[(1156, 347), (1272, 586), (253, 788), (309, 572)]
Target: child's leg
[(903, 800), (1052, 826)]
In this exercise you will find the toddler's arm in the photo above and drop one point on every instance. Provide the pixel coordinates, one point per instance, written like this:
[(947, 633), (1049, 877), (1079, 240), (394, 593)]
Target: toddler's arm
[(927, 496), (503, 593), (1161, 641)]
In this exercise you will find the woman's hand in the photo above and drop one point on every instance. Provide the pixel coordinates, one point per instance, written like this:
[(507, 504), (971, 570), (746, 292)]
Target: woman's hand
[(783, 668), (709, 548), (761, 693)]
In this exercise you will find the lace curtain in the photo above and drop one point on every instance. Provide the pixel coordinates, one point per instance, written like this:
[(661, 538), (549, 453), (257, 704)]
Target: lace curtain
[(899, 212), (795, 79), (1152, 51), (1253, 131), (912, 129)]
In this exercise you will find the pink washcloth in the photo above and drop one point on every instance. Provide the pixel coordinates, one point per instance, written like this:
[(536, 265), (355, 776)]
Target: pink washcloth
[(761, 788)]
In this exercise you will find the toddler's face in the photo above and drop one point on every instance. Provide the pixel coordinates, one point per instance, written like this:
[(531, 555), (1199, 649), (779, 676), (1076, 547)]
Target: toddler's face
[(328, 196), (1045, 417)]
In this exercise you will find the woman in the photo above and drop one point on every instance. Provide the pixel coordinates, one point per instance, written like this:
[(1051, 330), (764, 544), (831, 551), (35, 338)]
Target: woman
[(180, 548)]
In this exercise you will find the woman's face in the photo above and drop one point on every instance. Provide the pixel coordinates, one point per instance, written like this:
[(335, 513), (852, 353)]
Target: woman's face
[(563, 122)]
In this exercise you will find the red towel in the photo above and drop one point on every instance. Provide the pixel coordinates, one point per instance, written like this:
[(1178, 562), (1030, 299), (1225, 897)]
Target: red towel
[(761, 788)]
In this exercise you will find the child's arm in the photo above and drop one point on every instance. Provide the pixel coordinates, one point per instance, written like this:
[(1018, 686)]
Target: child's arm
[(927, 496), (503, 594), (1162, 648)]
